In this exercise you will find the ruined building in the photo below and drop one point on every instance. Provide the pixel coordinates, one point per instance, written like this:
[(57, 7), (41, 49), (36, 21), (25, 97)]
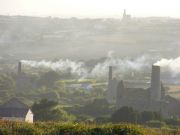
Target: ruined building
[(152, 98), (23, 81)]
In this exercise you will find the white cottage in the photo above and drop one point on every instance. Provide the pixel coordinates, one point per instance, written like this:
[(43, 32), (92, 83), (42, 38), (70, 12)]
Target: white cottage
[(15, 110)]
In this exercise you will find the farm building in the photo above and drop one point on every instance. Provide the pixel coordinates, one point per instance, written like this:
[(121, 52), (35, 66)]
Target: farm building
[(15, 110)]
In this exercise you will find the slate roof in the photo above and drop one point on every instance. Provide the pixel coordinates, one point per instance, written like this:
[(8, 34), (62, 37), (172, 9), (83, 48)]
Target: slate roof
[(14, 103), (13, 108), (13, 112)]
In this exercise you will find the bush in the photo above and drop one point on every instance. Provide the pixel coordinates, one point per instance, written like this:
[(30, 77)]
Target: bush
[(47, 110), (57, 128), (102, 119), (155, 124), (148, 116), (4, 131), (98, 130), (125, 114), (173, 122), (18, 128)]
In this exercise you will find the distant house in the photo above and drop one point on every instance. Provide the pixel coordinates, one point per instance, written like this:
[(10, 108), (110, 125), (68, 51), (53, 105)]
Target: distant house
[(15, 110)]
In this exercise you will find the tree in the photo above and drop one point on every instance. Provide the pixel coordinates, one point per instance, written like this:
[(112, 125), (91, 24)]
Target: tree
[(7, 86), (149, 115), (48, 79), (98, 92), (96, 108), (6, 83), (125, 114), (46, 110)]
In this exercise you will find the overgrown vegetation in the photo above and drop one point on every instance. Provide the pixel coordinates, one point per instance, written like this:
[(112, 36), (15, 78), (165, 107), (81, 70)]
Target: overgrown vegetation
[(49, 128), (58, 102), (45, 110)]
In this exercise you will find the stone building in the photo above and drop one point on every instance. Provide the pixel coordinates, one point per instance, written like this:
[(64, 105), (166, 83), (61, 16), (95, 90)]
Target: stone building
[(15, 110), (152, 98)]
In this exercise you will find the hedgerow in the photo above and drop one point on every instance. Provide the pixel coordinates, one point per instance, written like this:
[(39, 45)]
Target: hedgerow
[(60, 128)]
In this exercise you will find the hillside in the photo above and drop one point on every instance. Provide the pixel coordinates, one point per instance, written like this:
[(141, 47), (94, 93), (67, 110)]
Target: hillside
[(45, 38)]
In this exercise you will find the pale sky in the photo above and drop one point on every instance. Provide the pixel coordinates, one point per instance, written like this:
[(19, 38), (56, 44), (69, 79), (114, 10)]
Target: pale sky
[(91, 8)]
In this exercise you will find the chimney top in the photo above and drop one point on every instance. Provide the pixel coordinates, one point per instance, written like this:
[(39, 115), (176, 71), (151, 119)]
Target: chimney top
[(19, 67)]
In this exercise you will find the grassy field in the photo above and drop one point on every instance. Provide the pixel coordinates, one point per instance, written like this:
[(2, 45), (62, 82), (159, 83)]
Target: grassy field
[(174, 91), (59, 128)]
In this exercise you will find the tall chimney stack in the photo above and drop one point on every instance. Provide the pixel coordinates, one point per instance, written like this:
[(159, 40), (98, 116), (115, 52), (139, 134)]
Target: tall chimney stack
[(155, 93), (110, 73), (110, 85), (19, 67)]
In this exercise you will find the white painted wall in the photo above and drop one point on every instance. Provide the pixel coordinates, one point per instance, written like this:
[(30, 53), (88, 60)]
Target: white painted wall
[(29, 117)]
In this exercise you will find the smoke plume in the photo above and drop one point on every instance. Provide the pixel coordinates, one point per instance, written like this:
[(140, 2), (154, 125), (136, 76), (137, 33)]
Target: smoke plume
[(121, 66), (100, 70), (77, 68), (172, 65)]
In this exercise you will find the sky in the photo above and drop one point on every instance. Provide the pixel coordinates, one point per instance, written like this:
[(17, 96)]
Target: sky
[(91, 8)]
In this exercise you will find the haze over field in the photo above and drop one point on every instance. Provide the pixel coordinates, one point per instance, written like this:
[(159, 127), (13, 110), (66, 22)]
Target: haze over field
[(81, 45), (50, 38), (45, 38)]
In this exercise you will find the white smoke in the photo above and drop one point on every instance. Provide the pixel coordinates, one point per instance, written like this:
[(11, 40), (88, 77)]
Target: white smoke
[(172, 65), (121, 65), (77, 68), (100, 70)]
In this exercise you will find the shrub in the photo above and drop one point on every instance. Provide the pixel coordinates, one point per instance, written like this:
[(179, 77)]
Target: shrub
[(155, 124), (59, 128), (125, 114), (173, 122)]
